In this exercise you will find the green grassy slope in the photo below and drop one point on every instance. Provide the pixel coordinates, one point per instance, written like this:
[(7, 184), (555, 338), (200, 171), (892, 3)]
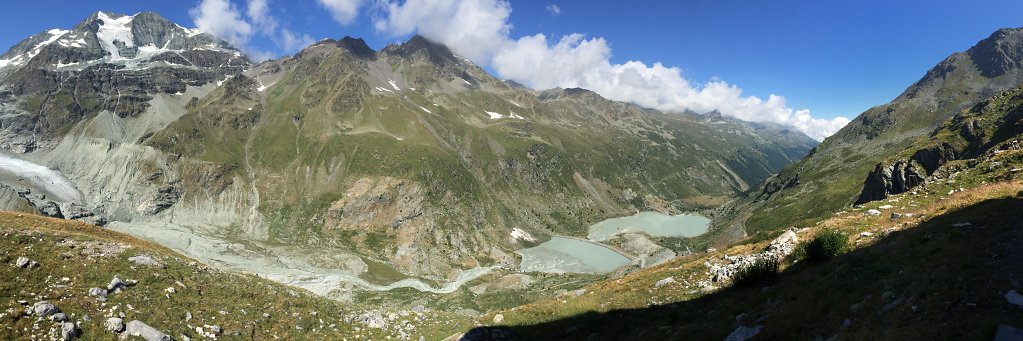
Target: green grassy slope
[(73, 257)]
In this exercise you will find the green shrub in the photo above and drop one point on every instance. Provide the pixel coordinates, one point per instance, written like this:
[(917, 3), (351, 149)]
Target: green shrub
[(826, 245), (760, 271)]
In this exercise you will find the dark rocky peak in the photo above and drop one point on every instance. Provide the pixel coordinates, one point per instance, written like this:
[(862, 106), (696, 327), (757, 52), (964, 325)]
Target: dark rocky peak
[(1000, 53), (997, 55), (420, 48), (357, 47)]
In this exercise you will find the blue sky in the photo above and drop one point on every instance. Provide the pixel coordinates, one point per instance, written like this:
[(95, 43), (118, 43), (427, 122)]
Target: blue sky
[(834, 58)]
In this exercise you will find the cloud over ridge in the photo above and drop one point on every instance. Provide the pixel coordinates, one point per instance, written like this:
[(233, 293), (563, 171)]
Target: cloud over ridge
[(224, 19), (480, 30)]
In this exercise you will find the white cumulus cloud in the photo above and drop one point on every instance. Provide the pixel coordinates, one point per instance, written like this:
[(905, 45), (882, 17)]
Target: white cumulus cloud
[(222, 18), (343, 11), (476, 29), (479, 30)]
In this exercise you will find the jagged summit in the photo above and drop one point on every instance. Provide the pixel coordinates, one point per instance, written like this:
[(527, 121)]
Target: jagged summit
[(418, 47), (355, 46), (1000, 53)]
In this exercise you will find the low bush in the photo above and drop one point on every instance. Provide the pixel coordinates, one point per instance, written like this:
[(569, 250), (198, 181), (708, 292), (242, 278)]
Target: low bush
[(760, 271), (826, 245)]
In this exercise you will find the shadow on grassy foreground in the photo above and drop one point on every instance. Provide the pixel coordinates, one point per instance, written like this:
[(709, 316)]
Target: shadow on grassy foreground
[(948, 279)]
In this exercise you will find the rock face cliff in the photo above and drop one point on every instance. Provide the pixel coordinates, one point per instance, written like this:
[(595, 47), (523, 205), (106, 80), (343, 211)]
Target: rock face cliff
[(988, 127), (894, 179), (411, 156)]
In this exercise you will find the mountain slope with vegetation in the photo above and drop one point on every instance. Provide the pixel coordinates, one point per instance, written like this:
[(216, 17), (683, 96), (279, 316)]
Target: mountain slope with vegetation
[(832, 175), (408, 162), (71, 265)]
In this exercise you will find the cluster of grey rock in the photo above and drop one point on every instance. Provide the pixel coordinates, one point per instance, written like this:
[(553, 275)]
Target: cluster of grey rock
[(46, 310), (779, 248), (61, 210), (116, 285)]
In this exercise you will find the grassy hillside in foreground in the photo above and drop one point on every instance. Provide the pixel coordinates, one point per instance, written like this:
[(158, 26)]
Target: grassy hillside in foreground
[(942, 270), (73, 257)]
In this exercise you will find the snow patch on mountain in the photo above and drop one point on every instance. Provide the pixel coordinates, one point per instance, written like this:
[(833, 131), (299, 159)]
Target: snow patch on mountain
[(113, 30), (55, 34)]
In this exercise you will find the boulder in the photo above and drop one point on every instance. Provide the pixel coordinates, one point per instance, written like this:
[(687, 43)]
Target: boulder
[(69, 331), (44, 309), (97, 292), (145, 260), (115, 284), (873, 212), (137, 328), (499, 318), (115, 324), (743, 333), (58, 317), (22, 262), (664, 282)]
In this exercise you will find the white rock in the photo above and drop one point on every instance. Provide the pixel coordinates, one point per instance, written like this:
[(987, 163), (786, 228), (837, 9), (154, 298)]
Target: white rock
[(498, 318), (137, 328), (22, 262), (665, 281), (115, 324), (873, 212), (866, 234), (145, 260)]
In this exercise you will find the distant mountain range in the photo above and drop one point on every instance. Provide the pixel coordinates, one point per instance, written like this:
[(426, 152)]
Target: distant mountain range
[(411, 156)]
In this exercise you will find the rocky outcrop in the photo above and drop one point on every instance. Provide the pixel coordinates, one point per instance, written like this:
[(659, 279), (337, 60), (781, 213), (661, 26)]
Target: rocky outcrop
[(61, 210), (372, 204), (894, 179), (164, 198), (999, 53), (780, 247)]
